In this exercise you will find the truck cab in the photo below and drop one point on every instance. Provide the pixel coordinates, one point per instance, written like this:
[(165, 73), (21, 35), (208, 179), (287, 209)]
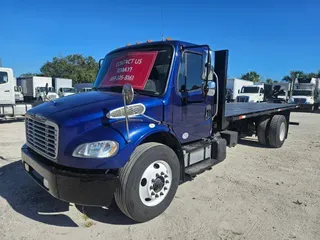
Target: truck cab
[(7, 83), (156, 113), (18, 94), (66, 91), (42, 95), (306, 93), (252, 93)]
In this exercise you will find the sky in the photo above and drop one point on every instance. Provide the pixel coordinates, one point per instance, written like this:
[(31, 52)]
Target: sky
[(270, 37)]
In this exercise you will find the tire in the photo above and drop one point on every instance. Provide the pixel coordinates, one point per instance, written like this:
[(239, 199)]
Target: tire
[(312, 108), (262, 130), (128, 195), (277, 131)]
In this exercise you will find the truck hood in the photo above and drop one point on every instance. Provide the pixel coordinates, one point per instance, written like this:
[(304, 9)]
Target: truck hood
[(90, 105)]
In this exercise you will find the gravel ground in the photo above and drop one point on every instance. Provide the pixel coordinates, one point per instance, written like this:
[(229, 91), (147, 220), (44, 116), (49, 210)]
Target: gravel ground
[(256, 193)]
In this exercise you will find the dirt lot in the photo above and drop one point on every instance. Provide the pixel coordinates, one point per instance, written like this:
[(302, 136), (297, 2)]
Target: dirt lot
[(256, 193)]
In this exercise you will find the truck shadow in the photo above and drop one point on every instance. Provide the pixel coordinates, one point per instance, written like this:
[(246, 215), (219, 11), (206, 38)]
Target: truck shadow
[(27, 198), (112, 215), (251, 143)]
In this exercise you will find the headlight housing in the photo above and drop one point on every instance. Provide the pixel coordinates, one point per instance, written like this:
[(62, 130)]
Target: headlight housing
[(101, 149), (310, 101), (291, 100)]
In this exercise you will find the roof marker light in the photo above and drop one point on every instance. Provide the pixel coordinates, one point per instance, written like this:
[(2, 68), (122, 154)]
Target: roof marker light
[(149, 40)]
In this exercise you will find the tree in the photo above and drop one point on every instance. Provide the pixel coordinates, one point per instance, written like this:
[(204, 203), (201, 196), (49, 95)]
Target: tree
[(31, 74), (251, 76), (293, 75), (269, 81), (76, 67)]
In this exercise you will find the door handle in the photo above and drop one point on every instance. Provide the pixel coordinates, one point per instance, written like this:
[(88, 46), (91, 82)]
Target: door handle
[(207, 112), (6, 90)]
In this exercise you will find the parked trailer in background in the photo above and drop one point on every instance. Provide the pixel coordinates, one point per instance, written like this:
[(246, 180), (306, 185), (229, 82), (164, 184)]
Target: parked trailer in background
[(234, 86), (8, 104), (33, 88), (306, 93)]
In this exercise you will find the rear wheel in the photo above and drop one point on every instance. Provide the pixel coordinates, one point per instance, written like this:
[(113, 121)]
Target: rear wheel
[(148, 182), (277, 131), (262, 130)]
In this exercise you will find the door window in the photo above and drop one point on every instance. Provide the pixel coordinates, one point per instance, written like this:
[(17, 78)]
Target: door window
[(190, 72), (3, 77), (262, 90)]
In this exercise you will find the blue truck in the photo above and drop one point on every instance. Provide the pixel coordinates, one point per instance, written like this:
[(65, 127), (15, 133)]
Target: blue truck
[(156, 117)]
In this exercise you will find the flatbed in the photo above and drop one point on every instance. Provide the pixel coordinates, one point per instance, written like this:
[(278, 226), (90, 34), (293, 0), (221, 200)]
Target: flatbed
[(236, 111)]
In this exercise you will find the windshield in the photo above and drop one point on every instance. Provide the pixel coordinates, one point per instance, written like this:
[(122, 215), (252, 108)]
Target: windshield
[(302, 93), (146, 69), (69, 90), (250, 90)]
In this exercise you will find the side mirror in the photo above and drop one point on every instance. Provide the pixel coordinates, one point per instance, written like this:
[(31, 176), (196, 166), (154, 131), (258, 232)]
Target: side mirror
[(207, 69), (47, 89), (210, 89), (100, 62), (127, 93), (238, 90)]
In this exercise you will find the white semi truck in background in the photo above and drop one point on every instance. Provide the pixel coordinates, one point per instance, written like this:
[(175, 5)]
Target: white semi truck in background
[(254, 93), (8, 104), (234, 86), (306, 93)]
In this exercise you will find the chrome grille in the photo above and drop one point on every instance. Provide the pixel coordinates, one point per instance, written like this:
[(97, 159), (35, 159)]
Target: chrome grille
[(42, 137), (300, 100)]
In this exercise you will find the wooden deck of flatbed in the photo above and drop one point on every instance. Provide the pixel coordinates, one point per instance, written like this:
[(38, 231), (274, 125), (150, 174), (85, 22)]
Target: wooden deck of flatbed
[(235, 110)]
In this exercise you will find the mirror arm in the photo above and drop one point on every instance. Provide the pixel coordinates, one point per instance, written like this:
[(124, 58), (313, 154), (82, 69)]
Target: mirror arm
[(127, 118)]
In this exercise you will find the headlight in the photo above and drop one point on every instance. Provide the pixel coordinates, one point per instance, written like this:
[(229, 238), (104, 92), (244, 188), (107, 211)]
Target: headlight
[(101, 149), (310, 101), (291, 100)]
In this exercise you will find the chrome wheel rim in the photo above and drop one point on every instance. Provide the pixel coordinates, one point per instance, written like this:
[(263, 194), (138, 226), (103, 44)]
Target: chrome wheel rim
[(282, 131), (155, 183)]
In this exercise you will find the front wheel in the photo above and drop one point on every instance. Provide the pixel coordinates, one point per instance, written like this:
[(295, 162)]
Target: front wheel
[(148, 182)]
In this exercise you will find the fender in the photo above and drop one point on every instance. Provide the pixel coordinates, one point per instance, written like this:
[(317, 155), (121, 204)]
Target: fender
[(139, 129)]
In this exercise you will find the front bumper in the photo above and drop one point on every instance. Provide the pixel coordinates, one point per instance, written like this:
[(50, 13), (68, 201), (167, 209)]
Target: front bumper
[(305, 105), (90, 189)]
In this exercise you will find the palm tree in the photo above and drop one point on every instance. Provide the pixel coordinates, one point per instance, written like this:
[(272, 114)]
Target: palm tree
[(251, 76)]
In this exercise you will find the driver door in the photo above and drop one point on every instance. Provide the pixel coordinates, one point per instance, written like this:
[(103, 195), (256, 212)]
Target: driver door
[(192, 115)]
